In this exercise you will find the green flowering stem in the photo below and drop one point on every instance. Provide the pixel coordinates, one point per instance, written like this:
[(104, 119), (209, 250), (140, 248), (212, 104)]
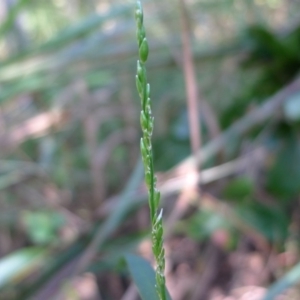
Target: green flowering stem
[(147, 121)]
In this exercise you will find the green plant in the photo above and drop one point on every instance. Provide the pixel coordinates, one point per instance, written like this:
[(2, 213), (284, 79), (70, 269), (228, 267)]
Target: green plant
[(147, 155)]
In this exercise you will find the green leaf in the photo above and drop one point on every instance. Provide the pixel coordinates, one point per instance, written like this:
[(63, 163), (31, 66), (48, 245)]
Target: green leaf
[(283, 178), (143, 276), (203, 224), (19, 264), (239, 189), (272, 222), (42, 226), (289, 279)]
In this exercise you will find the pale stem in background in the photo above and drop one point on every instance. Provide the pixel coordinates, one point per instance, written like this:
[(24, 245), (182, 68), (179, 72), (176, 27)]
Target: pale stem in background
[(190, 81)]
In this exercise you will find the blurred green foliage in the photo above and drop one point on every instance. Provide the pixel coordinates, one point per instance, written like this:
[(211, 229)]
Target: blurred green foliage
[(77, 58), (42, 227)]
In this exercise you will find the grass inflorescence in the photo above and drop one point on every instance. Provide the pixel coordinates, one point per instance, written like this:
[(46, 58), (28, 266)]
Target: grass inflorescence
[(147, 122)]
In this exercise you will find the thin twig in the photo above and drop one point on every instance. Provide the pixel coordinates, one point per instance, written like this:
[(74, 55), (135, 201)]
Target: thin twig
[(174, 185), (270, 107), (190, 80)]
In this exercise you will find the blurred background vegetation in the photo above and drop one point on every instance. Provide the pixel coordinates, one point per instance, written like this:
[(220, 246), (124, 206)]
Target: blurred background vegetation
[(72, 198)]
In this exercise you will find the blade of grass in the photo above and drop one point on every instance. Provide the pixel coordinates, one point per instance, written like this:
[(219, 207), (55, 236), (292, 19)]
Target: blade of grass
[(143, 276), (114, 220), (291, 278), (17, 265)]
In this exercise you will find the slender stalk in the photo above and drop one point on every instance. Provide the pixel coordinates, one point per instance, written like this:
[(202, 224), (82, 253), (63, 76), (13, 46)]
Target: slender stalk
[(147, 155), (190, 81)]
